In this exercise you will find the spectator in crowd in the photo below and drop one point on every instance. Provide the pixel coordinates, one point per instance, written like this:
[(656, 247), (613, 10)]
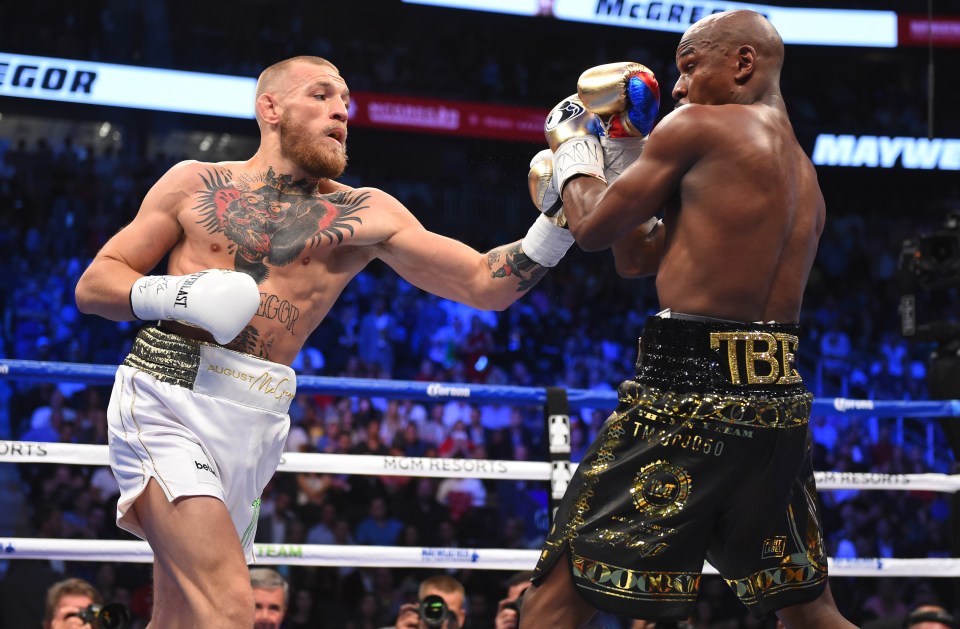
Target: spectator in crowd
[(508, 609), (450, 606), (378, 528), (930, 617), (271, 595), (67, 601)]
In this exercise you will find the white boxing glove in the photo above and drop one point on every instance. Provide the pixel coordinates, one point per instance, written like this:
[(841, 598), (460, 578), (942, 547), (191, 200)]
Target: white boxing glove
[(218, 301)]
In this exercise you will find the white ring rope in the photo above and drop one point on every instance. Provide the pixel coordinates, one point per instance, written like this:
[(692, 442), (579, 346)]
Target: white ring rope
[(441, 558), (416, 557), (375, 465)]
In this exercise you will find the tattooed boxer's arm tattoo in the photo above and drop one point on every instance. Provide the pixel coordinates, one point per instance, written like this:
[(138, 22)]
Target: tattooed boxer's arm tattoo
[(511, 261), (271, 219)]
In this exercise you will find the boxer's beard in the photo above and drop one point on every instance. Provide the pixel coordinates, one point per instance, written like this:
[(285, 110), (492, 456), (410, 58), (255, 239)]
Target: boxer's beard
[(309, 154)]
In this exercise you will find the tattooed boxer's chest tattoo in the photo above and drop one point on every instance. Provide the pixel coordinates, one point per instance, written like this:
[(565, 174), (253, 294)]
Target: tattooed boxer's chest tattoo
[(270, 219)]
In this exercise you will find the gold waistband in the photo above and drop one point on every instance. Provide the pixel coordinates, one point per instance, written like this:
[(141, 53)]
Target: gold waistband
[(166, 356)]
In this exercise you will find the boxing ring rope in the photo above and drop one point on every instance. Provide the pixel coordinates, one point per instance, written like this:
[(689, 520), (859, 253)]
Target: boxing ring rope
[(41, 371), (510, 559), (469, 558), (380, 465)]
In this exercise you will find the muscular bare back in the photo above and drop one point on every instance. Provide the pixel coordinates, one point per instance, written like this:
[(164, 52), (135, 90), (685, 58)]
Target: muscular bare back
[(743, 233)]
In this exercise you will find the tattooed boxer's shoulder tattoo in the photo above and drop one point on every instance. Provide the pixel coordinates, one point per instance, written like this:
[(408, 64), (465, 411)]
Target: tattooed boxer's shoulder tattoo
[(270, 219), (511, 261)]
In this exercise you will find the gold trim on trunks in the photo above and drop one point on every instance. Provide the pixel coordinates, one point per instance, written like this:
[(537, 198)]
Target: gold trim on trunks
[(796, 573), (804, 568), (634, 584), (642, 401), (776, 344), (612, 433), (167, 357)]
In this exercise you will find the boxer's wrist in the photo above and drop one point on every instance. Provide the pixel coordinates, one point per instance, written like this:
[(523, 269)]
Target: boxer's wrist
[(578, 156), (545, 242)]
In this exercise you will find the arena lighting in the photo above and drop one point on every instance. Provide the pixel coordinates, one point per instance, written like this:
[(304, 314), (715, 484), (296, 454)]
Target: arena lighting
[(873, 151), (95, 83), (823, 27)]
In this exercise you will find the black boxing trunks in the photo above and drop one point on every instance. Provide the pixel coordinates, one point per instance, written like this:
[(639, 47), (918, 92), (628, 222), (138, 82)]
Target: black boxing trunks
[(707, 456)]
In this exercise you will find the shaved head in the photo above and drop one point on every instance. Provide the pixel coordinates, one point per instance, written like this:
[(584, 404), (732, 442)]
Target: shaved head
[(732, 29), (735, 56), (271, 78)]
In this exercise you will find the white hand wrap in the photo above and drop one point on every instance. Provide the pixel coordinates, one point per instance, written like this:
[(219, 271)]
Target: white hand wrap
[(218, 301), (545, 243), (581, 155), (618, 153)]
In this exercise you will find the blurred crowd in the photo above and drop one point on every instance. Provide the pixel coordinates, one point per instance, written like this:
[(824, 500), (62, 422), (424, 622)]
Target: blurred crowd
[(577, 329)]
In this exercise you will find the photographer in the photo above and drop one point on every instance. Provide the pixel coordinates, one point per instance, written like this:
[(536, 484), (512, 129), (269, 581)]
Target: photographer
[(507, 610), (68, 605), (440, 606)]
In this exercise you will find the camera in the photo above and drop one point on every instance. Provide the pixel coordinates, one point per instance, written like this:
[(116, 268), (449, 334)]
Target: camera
[(934, 259), (929, 263), (433, 612), (112, 616)]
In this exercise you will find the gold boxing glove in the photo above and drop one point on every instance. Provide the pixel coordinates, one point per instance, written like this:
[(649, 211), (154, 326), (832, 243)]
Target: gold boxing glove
[(625, 95), (548, 238), (573, 133), (542, 189), (626, 98)]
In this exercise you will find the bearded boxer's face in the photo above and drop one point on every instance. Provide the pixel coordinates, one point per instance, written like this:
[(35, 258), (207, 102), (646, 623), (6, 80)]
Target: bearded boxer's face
[(309, 146)]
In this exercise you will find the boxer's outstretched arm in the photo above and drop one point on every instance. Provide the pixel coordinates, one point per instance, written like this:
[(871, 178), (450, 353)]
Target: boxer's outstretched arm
[(104, 288), (453, 270)]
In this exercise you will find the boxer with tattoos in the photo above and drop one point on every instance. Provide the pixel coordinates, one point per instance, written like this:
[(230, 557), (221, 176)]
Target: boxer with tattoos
[(257, 253)]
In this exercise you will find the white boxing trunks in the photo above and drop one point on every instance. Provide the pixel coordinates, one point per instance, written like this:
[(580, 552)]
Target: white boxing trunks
[(201, 420)]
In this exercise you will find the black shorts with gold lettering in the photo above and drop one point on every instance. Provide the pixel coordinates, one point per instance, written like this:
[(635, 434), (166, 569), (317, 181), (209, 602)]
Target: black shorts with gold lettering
[(706, 457)]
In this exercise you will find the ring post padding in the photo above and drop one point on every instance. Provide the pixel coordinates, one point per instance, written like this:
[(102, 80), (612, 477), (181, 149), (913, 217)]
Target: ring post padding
[(556, 415)]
